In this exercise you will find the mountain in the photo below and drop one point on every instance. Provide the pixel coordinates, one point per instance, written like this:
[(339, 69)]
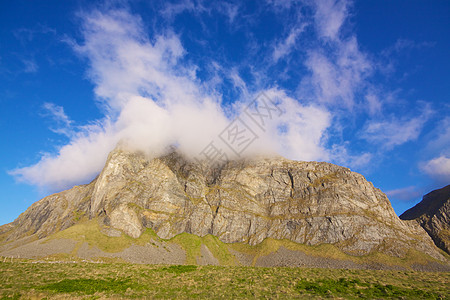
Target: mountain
[(433, 214), (250, 211)]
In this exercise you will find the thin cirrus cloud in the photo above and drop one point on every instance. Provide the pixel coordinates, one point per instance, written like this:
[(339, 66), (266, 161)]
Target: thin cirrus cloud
[(395, 131), (30, 66), (57, 114), (336, 77), (284, 47), (406, 194), (329, 17)]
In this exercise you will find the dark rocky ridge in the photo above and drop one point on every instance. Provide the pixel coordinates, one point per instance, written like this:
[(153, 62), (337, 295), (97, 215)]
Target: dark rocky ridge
[(243, 201), (433, 214)]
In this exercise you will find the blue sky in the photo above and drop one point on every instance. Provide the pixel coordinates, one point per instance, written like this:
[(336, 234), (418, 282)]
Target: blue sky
[(362, 84)]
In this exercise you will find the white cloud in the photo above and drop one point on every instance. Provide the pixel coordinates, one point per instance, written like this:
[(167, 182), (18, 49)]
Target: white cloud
[(340, 155), (125, 62), (329, 17), (171, 10), (438, 168), (409, 193), (75, 163), (303, 129), (238, 82), (395, 131), (281, 4), (404, 46), (152, 101), (284, 47), (229, 10), (336, 78), (62, 123), (440, 139), (151, 97), (392, 133), (338, 68), (438, 150), (374, 104), (57, 113)]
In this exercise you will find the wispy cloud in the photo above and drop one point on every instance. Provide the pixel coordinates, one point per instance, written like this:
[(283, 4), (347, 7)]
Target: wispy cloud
[(404, 46), (340, 154), (30, 66), (410, 193), (374, 103), (171, 10), (395, 131), (228, 9), (338, 76), (284, 47), (57, 114), (329, 17)]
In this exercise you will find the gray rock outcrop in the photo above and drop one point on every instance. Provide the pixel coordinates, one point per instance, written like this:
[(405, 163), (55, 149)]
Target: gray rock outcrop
[(433, 214), (241, 201)]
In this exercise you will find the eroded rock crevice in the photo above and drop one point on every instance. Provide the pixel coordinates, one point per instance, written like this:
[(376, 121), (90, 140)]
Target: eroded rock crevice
[(248, 200)]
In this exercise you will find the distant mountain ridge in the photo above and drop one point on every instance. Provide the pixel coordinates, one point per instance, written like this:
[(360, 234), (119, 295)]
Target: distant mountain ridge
[(241, 202), (433, 214)]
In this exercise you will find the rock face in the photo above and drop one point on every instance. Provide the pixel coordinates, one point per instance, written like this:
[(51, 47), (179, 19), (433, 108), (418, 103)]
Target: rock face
[(433, 214), (242, 201)]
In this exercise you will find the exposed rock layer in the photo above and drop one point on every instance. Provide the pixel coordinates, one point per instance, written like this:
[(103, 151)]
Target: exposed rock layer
[(433, 214), (241, 201)]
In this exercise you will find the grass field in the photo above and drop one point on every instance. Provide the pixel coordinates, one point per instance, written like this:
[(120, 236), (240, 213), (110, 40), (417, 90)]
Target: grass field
[(25, 279)]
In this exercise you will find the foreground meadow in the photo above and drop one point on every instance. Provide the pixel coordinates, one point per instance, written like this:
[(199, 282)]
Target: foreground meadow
[(82, 280)]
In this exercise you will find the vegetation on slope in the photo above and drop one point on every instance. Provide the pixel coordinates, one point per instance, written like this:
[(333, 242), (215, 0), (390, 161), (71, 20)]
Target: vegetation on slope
[(91, 233)]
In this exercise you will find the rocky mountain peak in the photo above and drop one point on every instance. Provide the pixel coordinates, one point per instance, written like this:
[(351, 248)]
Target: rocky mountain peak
[(433, 214), (242, 201)]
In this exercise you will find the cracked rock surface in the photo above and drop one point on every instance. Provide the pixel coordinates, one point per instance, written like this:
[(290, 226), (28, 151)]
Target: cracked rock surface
[(433, 214), (241, 201)]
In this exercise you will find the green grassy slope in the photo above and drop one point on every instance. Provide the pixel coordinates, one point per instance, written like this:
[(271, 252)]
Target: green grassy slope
[(90, 232)]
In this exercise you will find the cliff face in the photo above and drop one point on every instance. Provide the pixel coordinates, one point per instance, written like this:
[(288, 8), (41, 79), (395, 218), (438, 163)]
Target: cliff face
[(433, 214), (242, 201)]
